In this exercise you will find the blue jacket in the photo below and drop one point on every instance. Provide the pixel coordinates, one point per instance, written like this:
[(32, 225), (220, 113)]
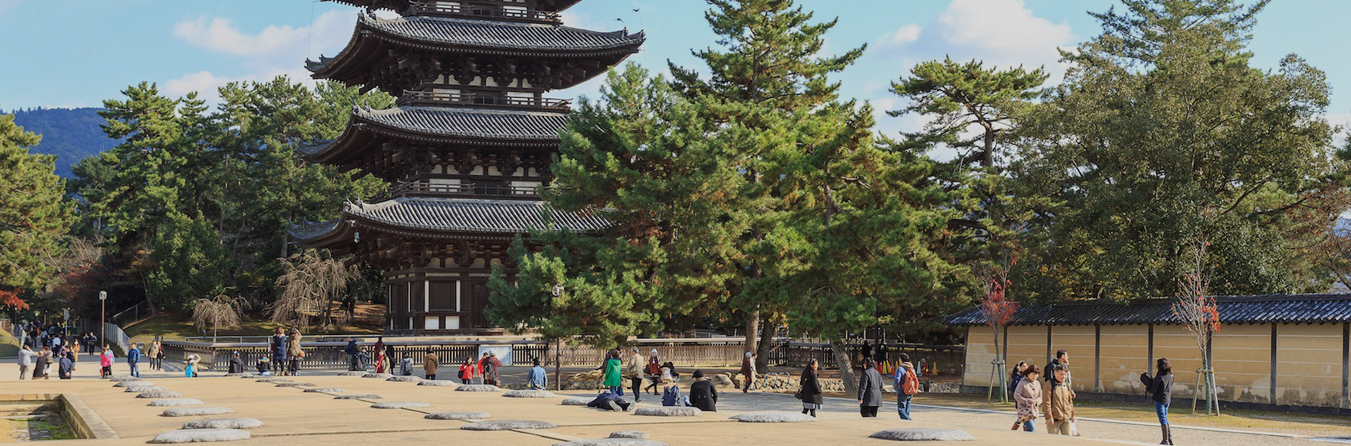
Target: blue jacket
[(133, 355), (537, 378), (671, 397)]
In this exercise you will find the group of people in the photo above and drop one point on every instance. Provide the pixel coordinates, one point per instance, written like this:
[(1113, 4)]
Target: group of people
[(65, 358), (657, 375), (871, 394), (1048, 393), (286, 353)]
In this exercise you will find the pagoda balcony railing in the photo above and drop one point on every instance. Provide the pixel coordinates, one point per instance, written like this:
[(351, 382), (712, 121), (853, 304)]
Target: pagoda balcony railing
[(424, 97), (421, 189), (445, 9)]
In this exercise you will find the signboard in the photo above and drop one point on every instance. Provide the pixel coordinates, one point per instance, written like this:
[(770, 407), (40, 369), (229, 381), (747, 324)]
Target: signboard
[(503, 352)]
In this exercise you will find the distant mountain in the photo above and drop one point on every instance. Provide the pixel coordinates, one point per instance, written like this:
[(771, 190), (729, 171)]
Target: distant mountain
[(69, 133)]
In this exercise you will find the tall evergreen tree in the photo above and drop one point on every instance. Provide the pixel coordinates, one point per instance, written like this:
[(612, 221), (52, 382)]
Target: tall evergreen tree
[(34, 215), (1163, 136)]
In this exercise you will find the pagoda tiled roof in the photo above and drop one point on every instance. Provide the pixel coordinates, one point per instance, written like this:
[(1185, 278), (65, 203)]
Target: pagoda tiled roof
[(447, 124), (442, 217), (400, 5), (1258, 309), (486, 36)]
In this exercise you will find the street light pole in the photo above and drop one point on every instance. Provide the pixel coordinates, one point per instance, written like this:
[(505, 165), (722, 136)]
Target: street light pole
[(103, 317)]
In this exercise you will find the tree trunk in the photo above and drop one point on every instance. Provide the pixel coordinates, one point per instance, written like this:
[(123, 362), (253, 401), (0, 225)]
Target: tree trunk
[(767, 330), (846, 367), (752, 329)]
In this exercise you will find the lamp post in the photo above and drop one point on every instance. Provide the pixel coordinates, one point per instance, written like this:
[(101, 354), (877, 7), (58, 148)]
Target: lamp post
[(103, 317)]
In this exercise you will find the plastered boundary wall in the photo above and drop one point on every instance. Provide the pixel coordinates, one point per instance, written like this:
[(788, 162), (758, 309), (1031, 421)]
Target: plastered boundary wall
[(1263, 364)]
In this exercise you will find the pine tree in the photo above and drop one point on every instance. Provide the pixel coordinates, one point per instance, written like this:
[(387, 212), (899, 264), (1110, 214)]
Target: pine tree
[(34, 215)]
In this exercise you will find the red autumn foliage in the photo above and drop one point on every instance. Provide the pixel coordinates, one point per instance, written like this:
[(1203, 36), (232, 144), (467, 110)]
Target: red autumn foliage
[(10, 298), (997, 308)]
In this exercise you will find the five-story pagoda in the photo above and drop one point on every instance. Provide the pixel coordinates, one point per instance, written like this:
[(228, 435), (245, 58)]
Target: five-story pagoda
[(466, 149)]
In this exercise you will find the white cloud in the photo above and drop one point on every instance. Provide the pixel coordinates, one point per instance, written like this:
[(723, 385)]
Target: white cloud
[(328, 33), (1003, 33), (905, 35), (206, 83)]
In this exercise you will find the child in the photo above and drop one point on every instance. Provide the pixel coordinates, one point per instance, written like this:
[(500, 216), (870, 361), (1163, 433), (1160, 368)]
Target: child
[(362, 358), (106, 362), (670, 370), (264, 366), (191, 369)]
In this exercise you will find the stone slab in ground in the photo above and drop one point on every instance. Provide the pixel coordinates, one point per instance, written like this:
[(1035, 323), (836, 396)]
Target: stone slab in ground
[(145, 389), (241, 375), (224, 423), (133, 384), (169, 402), (273, 380), (668, 411), (364, 396), (352, 373), (378, 375), (295, 385), (438, 383), (501, 425), (159, 394), (774, 417), (478, 388), (639, 435), (529, 394), (458, 416), (399, 405), (195, 411), (325, 390), (200, 436), (922, 434), (124, 378), (576, 401), (404, 379)]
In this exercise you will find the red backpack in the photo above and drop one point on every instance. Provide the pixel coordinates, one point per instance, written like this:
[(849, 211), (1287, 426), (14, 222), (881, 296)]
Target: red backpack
[(911, 384)]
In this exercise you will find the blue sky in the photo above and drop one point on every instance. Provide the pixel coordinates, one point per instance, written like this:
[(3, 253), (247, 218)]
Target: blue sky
[(75, 53)]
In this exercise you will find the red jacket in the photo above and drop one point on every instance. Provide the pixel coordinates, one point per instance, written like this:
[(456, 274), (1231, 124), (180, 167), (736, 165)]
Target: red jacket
[(468, 371)]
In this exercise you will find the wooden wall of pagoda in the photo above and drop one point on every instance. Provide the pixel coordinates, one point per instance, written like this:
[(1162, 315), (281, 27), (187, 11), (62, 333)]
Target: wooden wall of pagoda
[(436, 286), (395, 161)]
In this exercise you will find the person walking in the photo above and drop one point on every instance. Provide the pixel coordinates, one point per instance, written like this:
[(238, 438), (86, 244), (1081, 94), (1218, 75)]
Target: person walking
[(351, 352), (293, 352), (880, 352), (25, 361), (430, 362), (633, 372), (867, 350), (1160, 389), (277, 345), (1027, 399), (747, 372), (67, 366), (134, 357), (106, 362), (653, 371), (906, 385), (467, 371), (158, 355), (1016, 376), (1057, 405), (809, 390), (702, 393), (613, 375), (40, 364), (869, 389), (537, 378)]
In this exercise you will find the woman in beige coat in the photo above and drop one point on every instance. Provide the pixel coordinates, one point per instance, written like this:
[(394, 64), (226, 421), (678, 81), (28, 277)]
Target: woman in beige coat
[(1028, 398), (293, 352)]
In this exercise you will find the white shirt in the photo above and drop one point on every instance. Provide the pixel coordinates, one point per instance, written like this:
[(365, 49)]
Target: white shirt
[(26, 357)]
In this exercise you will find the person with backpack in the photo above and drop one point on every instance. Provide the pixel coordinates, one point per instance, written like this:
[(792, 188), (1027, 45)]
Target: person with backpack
[(670, 394), (133, 357), (906, 385), (1160, 389), (1057, 405)]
